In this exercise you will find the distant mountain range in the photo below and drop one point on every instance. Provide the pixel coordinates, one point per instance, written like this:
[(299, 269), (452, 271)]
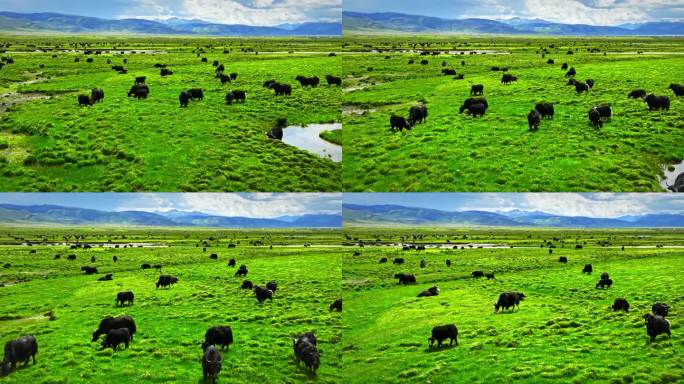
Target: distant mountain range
[(386, 215), (389, 22), (54, 214), (56, 22)]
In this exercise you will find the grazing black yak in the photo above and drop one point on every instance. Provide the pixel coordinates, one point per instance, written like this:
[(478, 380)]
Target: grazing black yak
[(660, 309), (477, 274), (588, 269), (236, 95), (637, 94), (405, 279), (262, 294), (196, 93), (677, 89), (124, 297), (417, 114), (139, 91), (333, 80), (657, 102), (96, 95), (184, 99), (276, 132), (398, 123), (305, 350), (242, 271), (477, 89), (508, 300), (603, 283), (336, 305), (308, 81), (581, 87), (620, 304), (219, 335), (545, 110), (166, 281), (281, 89), (473, 101), (17, 351), (115, 337), (476, 110), (109, 323), (533, 119), (595, 118), (84, 101), (441, 333), (432, 291), (211, 364), (507, 78), (656, 325)]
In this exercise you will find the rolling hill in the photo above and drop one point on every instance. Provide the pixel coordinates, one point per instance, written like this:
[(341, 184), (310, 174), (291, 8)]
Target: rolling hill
[(390, 22), (60, 23), (383, 215), (54, 214)]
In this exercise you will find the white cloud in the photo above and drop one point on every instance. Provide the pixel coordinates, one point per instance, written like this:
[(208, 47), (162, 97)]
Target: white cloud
[(258, 205), (575, 12)]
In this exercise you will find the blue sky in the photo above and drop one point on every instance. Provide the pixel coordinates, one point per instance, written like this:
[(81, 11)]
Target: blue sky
[(595, 12), (569, 204), (261, 205), (251, 12)]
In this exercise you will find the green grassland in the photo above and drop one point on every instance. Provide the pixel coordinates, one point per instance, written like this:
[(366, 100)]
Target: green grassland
[(125, 144), (334, 136), (564, 330), (171, 322), (453, 152)]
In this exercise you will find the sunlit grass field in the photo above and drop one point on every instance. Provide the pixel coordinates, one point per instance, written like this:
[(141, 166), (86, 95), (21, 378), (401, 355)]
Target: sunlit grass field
[(50, 143), (564, 330), (456, 152), (171, 322)]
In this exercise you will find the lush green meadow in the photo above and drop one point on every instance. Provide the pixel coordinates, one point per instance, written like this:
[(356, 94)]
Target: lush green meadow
[(49, 143), (456, 152), (171, 322), (564, 330)]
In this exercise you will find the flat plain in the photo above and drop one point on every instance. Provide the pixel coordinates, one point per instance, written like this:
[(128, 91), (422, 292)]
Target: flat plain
[(497, 152), (53, 300), (563, 331), (50, 143)]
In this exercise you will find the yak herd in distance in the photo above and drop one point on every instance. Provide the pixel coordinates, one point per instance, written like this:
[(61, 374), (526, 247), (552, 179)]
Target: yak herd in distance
[(655, 322), (121, 329), (477, 106)]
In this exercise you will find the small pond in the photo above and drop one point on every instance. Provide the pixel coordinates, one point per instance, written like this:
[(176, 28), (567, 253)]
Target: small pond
[(307, 138)]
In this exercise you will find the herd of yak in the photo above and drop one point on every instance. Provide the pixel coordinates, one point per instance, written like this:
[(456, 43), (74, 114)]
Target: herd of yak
[(477, 106), (121, 329), (140, 90), (655, 322)]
